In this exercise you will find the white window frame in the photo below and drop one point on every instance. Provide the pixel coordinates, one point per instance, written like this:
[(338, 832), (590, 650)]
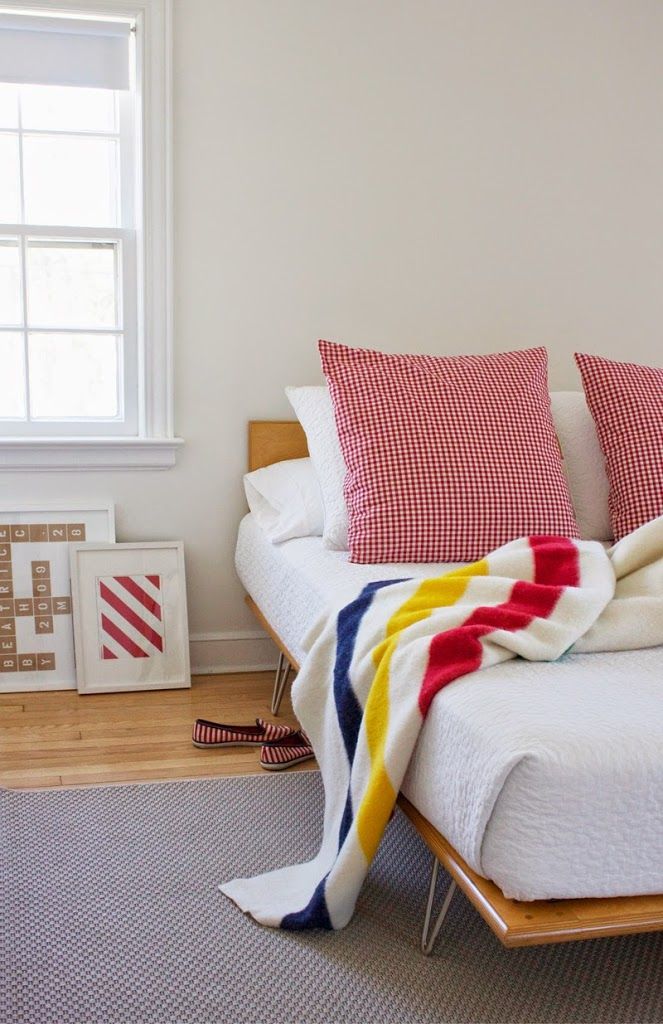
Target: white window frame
[(125, 238), (153, 445)]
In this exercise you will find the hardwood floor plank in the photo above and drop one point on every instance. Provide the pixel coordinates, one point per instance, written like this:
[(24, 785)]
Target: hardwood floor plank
[(11, 712), (24, 733), (236, 709), (63, 738), (34, 778), (178, 752), (144, 775), (75, 738)]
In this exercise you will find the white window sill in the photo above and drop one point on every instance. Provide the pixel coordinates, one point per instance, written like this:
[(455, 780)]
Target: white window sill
[(87, 453)]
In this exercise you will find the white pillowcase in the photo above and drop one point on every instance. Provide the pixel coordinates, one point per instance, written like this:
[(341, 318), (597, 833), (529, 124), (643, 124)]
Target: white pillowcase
[(285, 500), (583, 462), (314, 410)]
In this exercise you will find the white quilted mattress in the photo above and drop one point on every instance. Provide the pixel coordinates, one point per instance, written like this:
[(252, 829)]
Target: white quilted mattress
[(547, 778)]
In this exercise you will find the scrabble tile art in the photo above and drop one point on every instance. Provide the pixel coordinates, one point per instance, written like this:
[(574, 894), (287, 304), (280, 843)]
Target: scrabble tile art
[(36, 627)]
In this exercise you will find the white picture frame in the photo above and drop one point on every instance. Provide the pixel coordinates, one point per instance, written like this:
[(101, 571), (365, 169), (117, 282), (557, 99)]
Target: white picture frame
[(36, 625), (130, 616)]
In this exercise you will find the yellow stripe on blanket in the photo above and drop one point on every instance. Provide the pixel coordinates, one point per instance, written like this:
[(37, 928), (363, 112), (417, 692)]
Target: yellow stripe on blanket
[(379, 796)]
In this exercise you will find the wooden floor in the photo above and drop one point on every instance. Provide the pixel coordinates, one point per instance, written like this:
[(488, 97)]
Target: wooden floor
[(64, 739)]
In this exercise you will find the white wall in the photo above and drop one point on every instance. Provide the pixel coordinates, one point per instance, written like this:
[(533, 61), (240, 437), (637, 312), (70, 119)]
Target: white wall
[(420, 175)]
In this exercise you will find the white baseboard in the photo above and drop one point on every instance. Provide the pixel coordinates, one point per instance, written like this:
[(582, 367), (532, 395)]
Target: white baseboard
[(241, 650)]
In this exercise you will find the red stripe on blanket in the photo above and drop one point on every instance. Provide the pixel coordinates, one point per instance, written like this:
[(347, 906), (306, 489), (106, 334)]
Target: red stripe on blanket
[(457, 652), (556, 561)]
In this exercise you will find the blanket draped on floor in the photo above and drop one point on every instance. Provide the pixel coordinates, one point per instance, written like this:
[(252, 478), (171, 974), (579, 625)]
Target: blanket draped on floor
[(373, 669)]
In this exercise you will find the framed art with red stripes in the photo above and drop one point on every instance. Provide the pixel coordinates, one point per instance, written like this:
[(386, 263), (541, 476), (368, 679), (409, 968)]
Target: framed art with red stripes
[(130, 616)]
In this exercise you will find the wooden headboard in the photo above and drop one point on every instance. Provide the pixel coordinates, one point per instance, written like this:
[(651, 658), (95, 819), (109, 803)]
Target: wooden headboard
[(274, 441)]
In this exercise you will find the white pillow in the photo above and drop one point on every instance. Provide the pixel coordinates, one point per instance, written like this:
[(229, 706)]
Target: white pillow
[(583, 463), (314, 410), (285, 500)]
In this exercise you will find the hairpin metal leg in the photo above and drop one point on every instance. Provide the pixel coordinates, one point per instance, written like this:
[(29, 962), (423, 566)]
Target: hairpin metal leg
[(428, 937), (281, 678)]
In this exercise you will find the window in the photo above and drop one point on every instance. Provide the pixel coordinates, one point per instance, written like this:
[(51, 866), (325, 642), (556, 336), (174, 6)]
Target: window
[(67, 258), (84, 348)]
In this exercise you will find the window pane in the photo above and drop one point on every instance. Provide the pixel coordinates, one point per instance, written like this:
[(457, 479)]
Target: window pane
[(73, 375), (12, 376), (66, 108), (72, 284), (70, 180), (8, 106), (10, 282), (10, 202)]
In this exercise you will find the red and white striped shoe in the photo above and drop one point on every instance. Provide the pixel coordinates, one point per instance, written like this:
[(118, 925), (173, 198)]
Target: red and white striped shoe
[(216, 734), (283, 754)]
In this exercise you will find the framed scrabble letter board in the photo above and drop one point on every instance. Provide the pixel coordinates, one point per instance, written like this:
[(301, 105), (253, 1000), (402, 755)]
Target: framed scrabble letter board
[(36, 625)]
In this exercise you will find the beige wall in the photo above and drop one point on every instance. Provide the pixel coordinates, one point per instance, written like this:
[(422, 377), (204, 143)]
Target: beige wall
[(432, 175)]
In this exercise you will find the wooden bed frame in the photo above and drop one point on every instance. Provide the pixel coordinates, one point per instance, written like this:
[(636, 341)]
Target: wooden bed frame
[(515, 923)]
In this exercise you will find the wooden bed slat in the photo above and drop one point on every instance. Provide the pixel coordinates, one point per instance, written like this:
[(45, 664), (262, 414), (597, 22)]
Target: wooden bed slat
[(514, 923)]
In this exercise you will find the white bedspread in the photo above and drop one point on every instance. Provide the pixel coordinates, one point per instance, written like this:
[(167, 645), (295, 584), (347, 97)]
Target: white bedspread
[(297, 582), (548, 778), (568, 756)]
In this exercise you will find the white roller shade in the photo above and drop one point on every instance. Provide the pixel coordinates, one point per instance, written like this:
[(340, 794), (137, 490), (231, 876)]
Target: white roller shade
[(64, 51)]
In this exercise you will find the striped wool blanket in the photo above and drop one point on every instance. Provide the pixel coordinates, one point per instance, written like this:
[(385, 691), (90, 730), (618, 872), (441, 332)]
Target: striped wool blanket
[(374, 668)]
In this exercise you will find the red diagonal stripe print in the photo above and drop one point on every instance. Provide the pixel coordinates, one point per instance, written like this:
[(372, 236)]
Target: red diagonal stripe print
[(141, 595), (106, 654), (129, 614), (121, 638)]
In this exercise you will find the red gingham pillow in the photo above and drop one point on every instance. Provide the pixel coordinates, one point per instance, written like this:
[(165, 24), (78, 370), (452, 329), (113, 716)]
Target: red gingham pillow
[(626, 402), (447, 456)]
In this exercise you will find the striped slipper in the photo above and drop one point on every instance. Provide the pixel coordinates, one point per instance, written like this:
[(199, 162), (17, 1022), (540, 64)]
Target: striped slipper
[(292, 750), (215, 734)]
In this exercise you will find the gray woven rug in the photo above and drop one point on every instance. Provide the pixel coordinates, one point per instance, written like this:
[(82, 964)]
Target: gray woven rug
[(110, 914)]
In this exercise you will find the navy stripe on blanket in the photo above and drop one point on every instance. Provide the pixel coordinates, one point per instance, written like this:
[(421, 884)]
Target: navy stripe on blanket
[(348, 708), (314, 914), (349, 711)]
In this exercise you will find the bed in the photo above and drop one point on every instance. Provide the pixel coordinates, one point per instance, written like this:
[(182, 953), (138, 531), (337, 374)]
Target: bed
[(577, 784)]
